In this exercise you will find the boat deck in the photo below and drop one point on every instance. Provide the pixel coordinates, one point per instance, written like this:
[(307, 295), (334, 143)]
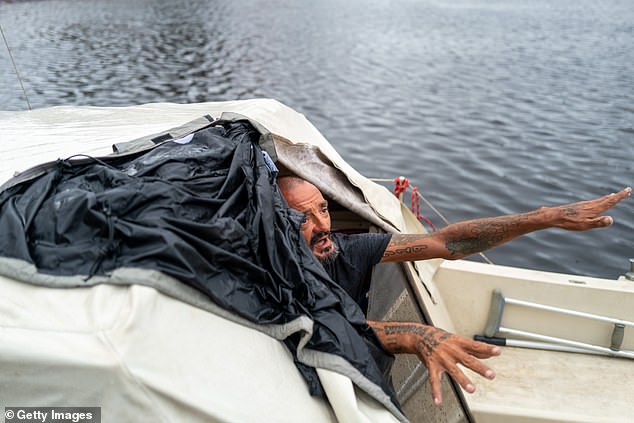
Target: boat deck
[(554, 388), (537, 385)]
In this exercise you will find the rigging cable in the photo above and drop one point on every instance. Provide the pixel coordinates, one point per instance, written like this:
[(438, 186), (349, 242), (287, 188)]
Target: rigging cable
[(15, 68)]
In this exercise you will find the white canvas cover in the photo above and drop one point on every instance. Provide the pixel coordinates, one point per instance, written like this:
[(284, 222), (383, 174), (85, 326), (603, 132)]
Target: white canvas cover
[(123, 348)]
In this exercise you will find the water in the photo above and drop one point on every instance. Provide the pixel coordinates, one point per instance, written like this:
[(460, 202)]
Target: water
[(490, 107)]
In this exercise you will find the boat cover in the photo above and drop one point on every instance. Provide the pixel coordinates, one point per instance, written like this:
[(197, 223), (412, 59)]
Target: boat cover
[(203, 210)]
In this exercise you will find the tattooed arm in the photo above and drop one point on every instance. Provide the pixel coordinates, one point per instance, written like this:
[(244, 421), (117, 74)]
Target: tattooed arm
[(440, 351), (473, 236)]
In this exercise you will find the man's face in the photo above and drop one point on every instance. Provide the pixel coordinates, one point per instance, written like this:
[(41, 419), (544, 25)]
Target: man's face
[(306, 198)]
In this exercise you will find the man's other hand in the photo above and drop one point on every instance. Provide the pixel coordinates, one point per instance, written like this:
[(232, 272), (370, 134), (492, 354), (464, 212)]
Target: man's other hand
[(439, 350)]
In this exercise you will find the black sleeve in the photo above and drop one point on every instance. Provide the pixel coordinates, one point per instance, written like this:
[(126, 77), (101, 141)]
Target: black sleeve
[(369, 248)]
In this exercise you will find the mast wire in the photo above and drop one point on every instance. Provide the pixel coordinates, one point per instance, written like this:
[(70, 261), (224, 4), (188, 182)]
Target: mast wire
[(15, 68)]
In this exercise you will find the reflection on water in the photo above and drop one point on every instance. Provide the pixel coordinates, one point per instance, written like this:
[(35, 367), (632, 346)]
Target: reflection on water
[(490, 107)]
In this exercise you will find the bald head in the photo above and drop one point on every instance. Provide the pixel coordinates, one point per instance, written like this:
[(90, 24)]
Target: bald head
[(288, 183)]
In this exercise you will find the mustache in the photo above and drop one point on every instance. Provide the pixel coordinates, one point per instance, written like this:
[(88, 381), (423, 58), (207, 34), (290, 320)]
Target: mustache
[(318, 237)]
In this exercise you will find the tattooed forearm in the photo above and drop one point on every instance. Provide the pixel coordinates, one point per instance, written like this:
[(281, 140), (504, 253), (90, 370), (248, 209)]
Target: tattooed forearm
[(464, 238), (404, 251), (479, 235), (404, 245), (467, 246)]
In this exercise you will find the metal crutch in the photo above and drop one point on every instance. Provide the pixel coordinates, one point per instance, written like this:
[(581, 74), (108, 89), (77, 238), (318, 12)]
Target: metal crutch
[(493, 328)]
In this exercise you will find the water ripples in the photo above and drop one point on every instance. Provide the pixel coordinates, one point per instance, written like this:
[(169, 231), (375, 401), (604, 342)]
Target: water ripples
[(491, 107)]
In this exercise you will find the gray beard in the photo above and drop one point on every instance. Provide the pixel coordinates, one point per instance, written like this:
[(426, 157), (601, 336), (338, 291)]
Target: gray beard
[(332, 254)]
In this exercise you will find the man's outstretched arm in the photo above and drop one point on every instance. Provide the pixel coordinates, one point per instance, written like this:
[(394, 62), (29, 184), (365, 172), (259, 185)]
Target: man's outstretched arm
[(473, 236), (439, 350)]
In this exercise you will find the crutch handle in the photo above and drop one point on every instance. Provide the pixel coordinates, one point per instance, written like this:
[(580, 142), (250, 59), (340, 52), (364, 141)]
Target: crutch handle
[(617, 337)]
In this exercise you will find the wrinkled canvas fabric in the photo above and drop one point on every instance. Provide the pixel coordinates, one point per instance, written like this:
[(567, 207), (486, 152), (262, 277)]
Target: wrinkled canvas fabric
[(205, 212)]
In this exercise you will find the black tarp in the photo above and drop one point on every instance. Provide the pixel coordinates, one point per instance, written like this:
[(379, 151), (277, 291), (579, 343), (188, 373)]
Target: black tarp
[(207, 213)]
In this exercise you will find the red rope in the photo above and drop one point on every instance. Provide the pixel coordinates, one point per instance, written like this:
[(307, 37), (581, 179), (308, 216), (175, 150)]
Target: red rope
[(400, 186), (415, 203), (416, 208)]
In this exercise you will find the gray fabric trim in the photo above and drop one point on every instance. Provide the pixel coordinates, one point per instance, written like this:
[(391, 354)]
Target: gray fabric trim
[(150, 141), (23, 271), (147, 142)]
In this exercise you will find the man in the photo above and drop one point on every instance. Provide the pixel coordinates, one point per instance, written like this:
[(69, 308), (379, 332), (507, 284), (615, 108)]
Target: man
[(348, 258)]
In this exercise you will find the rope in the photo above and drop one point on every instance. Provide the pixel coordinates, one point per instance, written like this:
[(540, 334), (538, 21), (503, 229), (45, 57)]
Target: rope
[(401, 185), (416, 208)]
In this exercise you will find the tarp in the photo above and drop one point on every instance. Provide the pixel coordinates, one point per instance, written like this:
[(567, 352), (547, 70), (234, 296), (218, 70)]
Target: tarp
[(205, 212)]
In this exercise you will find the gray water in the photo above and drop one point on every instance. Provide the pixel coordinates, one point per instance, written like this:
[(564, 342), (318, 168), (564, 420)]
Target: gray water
[(489, 107)]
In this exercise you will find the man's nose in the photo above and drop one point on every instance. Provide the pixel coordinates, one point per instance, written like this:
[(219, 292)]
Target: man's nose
[(321, 224)]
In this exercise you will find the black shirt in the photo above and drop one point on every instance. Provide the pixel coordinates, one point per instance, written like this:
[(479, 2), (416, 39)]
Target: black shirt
[(357, 255)]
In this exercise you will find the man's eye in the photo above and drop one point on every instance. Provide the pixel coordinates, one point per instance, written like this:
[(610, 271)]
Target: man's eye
[(324, 210), (304, 221)]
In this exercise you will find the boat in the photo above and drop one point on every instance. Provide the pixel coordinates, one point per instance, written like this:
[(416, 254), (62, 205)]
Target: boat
[(121, 346)]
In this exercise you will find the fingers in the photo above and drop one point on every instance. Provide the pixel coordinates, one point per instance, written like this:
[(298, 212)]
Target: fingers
[(461, 379), (469, 355), (586, 215), (457, 350), (477, 366), (625, 193), (612, 199), (435, 379), (480, 350), (603, 221), (436, 387)]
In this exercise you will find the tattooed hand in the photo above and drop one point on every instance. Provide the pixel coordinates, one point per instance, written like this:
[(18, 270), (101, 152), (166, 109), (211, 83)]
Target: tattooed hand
[(586, 215), (439, 350)]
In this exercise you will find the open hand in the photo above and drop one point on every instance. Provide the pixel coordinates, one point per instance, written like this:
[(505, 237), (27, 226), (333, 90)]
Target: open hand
[(586, 215), (439, 350)]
